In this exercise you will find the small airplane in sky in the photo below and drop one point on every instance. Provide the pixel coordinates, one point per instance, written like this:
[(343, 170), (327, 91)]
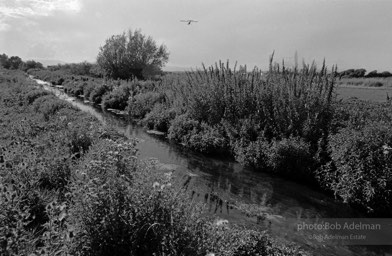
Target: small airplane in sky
[(188, 21)]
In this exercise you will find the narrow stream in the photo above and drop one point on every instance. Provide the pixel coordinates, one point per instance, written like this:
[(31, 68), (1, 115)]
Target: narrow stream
[(217, 182)]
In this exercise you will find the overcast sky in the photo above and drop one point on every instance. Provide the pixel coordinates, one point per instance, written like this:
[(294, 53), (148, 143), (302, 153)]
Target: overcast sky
[(350, 33)]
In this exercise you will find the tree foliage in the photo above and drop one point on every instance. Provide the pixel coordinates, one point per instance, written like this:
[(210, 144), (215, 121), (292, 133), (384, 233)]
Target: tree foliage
[(132, 54), (15, 62), (31, 64), (80, 69)]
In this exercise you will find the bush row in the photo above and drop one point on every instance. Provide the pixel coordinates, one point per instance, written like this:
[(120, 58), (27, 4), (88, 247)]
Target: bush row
[(116, 94)]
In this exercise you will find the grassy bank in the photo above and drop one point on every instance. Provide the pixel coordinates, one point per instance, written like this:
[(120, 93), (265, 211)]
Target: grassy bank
[(69, 186), (286, 121)]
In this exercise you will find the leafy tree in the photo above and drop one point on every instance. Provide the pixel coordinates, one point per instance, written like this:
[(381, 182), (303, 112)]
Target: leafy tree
[(15, 62), (4, 61), (385, 74), (31, 64), (353, 73), (96, 70), (359, 73), (372, 74), (132, 54)]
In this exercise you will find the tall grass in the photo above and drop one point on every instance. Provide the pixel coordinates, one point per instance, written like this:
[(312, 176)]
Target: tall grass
[(285, 101), (248, 107)]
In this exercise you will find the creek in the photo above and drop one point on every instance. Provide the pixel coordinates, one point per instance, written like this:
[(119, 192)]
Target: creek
[(220, 183)]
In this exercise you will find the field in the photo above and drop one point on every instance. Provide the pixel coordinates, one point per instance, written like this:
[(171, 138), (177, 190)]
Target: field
[(371, 89), (366, 82)]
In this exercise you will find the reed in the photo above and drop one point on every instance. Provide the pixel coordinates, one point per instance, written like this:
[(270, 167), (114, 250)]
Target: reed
[(282, 102)]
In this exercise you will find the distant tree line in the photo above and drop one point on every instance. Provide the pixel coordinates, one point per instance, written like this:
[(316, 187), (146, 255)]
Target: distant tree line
[(15, 62), (358, 73)]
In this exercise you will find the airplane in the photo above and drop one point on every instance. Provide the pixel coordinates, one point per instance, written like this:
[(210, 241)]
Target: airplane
[(188, 21)]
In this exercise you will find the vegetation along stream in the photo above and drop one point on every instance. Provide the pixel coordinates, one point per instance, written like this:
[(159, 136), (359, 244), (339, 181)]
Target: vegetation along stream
[(224, 186)]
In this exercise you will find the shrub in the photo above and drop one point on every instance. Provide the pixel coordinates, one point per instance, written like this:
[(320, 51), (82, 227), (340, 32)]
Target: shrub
[(117, 210), (141, 104), (88, 88), (361, 166), (98, 92), (48, 105), (101, 204), (15, 238), (32, 95), (74, 88), (253, 153), (356, 114), (181, 128), (159, 118), (117, 98), (207, 140), (197, 136), (374, 84), (56, 175), (293, 158)]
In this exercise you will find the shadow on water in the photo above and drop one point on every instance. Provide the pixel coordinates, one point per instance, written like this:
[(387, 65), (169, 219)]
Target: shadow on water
[(223, 185)]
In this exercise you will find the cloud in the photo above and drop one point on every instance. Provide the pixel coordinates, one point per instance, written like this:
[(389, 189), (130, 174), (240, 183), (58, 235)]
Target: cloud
[(23, 8), (3, 26)]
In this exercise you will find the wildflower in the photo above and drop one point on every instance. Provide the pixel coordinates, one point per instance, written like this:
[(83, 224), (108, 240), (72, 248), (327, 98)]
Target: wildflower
[(168, 175), (221, 222), (386, 149), (155, 185)]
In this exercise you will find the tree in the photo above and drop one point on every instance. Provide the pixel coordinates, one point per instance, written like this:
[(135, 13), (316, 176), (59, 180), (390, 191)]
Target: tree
[(372, 74), (132, 54), (31, 64), (4, 62), (386, 74), (359, 73), (15, 62)]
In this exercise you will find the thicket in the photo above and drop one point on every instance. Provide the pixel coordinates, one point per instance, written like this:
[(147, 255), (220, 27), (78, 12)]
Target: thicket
[(359, 171), (69, 186), (277, 121)]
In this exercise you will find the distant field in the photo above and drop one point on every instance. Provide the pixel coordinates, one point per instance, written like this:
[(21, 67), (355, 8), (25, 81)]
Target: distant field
[(375, 94), (367, 82), (372, 89)]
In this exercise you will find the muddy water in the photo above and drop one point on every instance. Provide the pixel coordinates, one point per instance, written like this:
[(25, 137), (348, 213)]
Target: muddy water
[(220, 183)]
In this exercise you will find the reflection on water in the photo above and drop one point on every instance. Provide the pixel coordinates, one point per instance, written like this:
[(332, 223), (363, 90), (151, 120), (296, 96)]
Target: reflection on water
[(221, 184)]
